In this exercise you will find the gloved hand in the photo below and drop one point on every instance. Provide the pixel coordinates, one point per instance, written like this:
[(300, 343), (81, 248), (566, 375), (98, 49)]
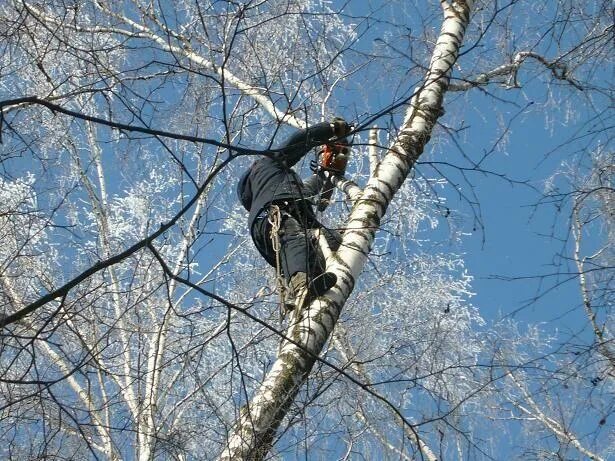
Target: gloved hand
[(340, 127), (318, 169), (315, 166)]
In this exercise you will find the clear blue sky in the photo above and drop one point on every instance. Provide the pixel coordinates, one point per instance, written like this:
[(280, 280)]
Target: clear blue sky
[(515, 240)]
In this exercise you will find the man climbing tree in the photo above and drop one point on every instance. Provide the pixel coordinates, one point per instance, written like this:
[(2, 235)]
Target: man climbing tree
[(282, 221)]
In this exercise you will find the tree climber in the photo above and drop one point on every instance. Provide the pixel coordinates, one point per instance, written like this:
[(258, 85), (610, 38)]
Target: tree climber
[(282, 223)]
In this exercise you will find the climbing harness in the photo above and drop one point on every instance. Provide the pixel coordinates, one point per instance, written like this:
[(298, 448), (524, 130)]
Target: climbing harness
[(274, 216)]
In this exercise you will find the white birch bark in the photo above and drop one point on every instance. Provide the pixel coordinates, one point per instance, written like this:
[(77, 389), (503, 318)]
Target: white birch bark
[(100, 207), (142, 31), (253, 434), (604, 344), (373, 150), (564, 435)]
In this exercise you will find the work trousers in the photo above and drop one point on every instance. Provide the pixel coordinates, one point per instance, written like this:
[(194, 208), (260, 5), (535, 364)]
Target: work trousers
[(299, 250)]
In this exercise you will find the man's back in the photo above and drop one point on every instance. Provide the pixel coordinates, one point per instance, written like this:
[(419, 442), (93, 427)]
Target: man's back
[(271, 179)]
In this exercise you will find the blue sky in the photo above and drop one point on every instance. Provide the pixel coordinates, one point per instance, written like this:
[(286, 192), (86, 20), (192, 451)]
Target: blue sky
[(521, 239), (516, 239)]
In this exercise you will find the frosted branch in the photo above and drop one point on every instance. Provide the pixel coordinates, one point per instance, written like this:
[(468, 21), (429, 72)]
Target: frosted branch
[(348, 187), (344, 348), (562, 434), (559, 70), (373, 150), (257, 94), (602, 342)]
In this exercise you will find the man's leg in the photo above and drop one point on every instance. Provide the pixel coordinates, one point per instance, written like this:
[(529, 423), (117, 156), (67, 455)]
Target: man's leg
[(332, 236), (261, 236), (302, 262)]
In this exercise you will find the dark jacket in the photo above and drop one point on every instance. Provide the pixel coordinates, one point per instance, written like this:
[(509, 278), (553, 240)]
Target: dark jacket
[(271, 179)]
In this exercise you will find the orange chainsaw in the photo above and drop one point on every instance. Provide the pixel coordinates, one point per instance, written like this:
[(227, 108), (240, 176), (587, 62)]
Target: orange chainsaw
[(334, 158)]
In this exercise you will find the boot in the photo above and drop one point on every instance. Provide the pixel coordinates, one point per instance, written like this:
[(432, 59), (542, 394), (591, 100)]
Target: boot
[(323, 283), (302, 292), (298, 290)]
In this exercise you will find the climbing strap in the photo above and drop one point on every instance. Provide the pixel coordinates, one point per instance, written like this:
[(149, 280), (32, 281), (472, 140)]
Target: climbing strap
[(274, 216)]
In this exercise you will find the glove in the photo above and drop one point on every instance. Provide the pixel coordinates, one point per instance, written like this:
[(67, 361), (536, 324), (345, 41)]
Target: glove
[(318, 169), (340, 127)]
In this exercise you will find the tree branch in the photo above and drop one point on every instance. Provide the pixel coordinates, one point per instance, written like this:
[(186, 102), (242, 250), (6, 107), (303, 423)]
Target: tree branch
[(559, 70), (125, 127)]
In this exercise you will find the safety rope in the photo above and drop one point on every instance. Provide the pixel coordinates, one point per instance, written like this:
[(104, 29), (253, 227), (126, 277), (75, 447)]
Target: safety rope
[(274, 216)]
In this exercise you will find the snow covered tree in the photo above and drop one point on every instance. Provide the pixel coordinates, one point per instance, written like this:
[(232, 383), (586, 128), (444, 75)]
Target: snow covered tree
[(138, 321)]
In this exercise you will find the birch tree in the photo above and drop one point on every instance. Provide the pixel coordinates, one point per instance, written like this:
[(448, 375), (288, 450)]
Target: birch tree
[(312, 327), (138, 320)]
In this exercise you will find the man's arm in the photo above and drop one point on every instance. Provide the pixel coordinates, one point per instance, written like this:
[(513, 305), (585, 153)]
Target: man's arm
[(301, 142), (314, 185), (319, 190)]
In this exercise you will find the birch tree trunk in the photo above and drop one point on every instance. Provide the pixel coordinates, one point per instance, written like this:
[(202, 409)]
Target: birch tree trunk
[(253, 433)]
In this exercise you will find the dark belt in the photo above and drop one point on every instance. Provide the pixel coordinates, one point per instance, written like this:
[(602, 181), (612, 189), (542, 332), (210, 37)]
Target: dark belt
[(301, 210)]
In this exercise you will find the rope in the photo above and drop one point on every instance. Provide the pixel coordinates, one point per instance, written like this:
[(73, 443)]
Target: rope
[(274, 216)]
